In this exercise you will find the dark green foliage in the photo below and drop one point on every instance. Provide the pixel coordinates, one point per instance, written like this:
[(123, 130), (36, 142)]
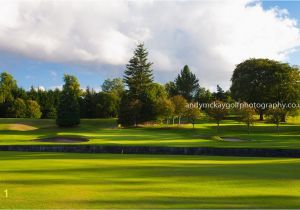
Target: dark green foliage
[(49, 105), (138, 103), (8, 86), (88, 103), (138, 74), (68, 112), (171, 89), (187, 84), (99, 105), (204, 96), (265, 81), (50, 114), (222, 95), (48, 101), (135, 111), (115, 86), (20, 93), (14, 99), (6, 109), (108, 105), (129, 112), (149, 99)]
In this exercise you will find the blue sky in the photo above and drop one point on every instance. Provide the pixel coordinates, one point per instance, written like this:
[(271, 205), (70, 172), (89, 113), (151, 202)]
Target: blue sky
[(293, 8), (32, 72), (173, 40)]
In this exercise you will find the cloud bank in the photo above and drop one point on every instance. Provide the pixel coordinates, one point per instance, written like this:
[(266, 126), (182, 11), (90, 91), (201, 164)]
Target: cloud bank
[(210, 36)]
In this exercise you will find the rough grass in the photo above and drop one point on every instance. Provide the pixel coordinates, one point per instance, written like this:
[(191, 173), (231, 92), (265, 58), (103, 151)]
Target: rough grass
[(106, 132), (58, 180)]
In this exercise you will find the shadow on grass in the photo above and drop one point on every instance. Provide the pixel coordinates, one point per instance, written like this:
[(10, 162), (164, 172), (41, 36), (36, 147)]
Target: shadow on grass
[(195, 202)]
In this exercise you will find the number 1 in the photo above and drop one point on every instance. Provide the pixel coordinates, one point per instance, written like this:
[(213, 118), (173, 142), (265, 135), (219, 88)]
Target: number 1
[(6, 193)]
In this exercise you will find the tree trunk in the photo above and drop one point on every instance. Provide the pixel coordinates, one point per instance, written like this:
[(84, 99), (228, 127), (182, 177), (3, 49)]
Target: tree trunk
[(261, 116), (283, 118), (173, 120), (179, 120)]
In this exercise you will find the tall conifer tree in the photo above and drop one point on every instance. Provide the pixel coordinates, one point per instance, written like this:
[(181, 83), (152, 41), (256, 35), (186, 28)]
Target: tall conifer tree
[(138, 74), (187, 83)]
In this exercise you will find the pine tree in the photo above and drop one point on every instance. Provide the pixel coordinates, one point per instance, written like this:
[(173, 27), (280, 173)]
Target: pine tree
[(138, 73), (68, 112), (137, 104), (187, 83)]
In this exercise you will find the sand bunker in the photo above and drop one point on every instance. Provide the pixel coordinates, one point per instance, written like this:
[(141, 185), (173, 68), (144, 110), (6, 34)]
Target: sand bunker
[(220, 138), (20, 127), (64, 139), (232, 139)]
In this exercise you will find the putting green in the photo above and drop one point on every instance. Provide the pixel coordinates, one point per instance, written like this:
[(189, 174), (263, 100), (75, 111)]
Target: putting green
[(59, 180)]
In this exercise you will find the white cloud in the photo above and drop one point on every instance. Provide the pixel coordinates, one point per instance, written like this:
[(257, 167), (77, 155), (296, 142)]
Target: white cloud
[(42, 88), (210, 36), (59, 87)]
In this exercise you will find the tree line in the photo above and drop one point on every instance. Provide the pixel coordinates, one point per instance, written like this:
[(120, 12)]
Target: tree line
[(137, 99)]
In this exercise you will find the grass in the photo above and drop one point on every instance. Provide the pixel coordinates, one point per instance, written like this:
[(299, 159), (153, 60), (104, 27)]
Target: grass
[(67, 180), (58, 180), (105, 132)]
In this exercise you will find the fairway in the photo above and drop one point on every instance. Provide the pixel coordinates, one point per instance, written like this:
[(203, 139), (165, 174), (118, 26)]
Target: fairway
[(106, 132), (150, 104), (45, 180)]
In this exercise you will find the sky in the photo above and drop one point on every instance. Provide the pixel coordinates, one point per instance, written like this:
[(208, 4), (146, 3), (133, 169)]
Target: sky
[(40, 41)]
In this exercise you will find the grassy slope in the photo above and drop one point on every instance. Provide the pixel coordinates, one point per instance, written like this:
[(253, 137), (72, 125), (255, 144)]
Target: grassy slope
[(44, 180), (99, 131)]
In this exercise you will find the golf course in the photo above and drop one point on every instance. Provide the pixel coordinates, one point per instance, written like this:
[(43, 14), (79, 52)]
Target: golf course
[(41, 180), (106, 132), (149, 104), (74, 180)]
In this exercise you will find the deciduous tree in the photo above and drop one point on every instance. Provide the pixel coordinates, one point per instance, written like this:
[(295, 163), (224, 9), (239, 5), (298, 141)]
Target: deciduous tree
[(193, 113), (115, 86), (265, 81), (217, 112), (68, 112), (247, 114), (274, 115), (180, 105), (19, 108), (33, 109)]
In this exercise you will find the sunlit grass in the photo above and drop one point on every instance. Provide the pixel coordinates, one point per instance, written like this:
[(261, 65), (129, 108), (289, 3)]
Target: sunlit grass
[(106, 132), (51, 180)]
